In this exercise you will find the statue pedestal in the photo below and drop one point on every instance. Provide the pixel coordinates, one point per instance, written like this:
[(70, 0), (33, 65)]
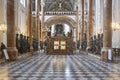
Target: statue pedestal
[(106, 55), (13, 54)]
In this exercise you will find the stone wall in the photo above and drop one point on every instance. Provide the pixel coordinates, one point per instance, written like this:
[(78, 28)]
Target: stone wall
[(3, 37), (116, 19), (20, 12)]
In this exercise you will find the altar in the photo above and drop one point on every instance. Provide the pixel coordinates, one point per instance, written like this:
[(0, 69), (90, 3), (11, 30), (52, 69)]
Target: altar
[(59, 45)]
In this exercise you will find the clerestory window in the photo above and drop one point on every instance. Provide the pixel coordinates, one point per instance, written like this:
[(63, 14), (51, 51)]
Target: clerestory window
[(23, 2)]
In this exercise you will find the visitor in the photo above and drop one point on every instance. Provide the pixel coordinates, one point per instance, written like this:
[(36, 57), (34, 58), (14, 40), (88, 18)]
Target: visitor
[(4, 52)]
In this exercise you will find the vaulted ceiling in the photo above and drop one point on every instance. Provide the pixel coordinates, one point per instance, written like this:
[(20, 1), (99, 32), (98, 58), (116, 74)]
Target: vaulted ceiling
[(60, 5)]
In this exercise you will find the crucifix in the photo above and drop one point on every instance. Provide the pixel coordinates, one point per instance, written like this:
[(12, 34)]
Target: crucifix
[(60, 6)]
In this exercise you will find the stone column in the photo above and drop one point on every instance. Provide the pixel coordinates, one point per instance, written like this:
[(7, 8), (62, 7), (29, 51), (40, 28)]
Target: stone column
[(74, 35), (77, 29), (82, 29), (29, 18), (38, 22), (42, 19), (90, 27), (11, 36), (107, 30)]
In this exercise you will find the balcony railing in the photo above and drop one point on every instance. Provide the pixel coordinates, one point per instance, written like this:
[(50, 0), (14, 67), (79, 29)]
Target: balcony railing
[(57, 13), (61, 13)]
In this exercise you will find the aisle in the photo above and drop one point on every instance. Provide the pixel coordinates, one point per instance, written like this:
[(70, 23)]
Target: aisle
[(60, 67)]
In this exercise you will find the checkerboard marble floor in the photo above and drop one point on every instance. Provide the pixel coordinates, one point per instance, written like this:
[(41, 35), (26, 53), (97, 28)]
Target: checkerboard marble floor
[(60, 67)]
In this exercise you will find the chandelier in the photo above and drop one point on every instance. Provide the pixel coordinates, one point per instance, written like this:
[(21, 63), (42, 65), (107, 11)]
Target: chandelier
[(3, 27), (115, 26)]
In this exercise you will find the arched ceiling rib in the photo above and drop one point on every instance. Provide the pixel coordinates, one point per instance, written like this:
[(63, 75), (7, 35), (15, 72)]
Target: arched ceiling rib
[(57, 5), (60, 19)]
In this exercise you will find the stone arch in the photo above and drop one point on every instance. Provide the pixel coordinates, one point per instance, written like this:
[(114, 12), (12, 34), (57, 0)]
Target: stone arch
[(62, 20)]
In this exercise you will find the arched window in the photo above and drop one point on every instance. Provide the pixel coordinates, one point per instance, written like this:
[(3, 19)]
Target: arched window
[(23, 2)]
